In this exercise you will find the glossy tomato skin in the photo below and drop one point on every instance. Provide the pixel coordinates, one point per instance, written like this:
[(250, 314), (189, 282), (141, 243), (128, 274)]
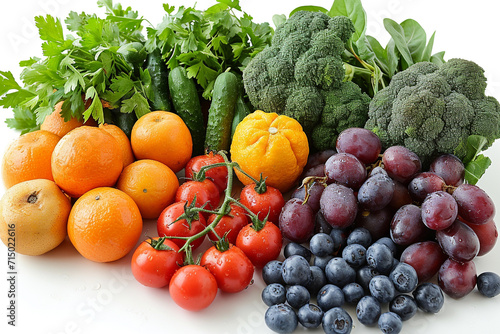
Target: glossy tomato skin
[(230, 224), (271, 201), (180, 228), (217, 174), (193, 287), (206, 192), (153, 267), (231, 268), (260, 246)]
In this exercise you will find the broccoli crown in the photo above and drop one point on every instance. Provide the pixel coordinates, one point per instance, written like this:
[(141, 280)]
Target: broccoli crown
[(301, 75), (433, 109)]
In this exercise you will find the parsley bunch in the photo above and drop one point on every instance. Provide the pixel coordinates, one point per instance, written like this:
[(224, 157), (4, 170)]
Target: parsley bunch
[(209, 42), (86, 68)]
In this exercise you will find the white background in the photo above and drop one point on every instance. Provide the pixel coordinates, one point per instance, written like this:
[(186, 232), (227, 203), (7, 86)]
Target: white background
[(61, 292)]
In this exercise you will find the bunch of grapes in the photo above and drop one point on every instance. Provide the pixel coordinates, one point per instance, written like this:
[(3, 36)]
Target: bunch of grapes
[(431, 220)]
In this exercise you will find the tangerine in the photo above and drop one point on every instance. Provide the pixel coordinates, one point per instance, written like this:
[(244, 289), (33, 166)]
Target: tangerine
[(56, 124), (123, 142)]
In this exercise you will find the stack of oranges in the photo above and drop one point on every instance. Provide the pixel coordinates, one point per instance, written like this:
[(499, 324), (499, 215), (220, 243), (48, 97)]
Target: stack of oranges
[(83, 180)]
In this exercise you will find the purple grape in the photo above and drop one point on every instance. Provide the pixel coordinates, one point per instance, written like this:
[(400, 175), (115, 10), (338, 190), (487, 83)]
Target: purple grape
[(401, 164), (318, 158), (401, 196), (315, 190), (318, 170), (296, 221), (423, 184), (362, 143), (474, 205), (450, 168), (376, 192), (439, 210), (378, 223), (458, 241), (457, 279), (345, 169), (406, 225), (338, 205), (487, 235), (425, 257)]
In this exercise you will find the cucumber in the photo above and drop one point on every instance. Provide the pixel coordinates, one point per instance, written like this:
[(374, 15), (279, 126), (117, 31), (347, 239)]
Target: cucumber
[(125, 122), (158, 93), (241, 111), (187, 105), (221, 112)]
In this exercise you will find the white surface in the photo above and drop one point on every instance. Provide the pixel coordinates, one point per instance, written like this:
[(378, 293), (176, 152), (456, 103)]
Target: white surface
[(61, 292)]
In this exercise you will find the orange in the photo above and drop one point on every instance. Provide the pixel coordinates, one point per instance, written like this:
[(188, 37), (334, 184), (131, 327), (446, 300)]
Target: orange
[(28, 158), (35, 213), (104, 224), (86, 158), (151, 184), (123, 141), (162, 136), (273, 145), (56, 124)]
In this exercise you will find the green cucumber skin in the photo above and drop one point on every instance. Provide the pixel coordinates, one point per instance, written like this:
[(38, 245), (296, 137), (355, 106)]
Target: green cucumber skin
[(158, 71), (241, 111), (187, 105), (221, 112), (125, 122)]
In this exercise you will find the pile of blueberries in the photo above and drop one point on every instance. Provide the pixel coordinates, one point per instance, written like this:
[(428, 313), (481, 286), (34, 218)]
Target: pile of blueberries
[(340, 269)]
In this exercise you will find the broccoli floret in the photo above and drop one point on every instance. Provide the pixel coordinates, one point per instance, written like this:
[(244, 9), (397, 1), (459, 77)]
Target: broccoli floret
[(433, 109), (301, 75)]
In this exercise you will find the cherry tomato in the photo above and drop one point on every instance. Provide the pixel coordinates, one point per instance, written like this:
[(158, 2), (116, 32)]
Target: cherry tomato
[(260, 246), (230, 224), (231, 268), (217, 174), (155, 261), (206, 192), (181, 228), (193, 287), (271, 201)]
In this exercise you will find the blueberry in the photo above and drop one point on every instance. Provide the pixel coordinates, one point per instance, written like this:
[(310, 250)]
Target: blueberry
[(330, 296), (379, 257), (293, 248), (310, 316), (382, 289), (321, 244), (488, 284), (354, 255), (429, 297), (281, 318), (321, 262), (368, 310), (390, 323), (339, 238), (353, 292), (316, 281), (337, 321), (295, 270), (273, 294), (340, 273), (360, 236), (297, 296), (364, 275), (404, 306), (389, 243), (404, 278), (271, 272)]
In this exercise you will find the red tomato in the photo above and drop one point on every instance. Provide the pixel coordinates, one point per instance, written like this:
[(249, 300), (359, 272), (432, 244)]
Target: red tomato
[(271, 201), (260, 246), (230, 224), (193, 287), (217, 174), (180, 228), (206, 192), (231, 268), (154, 263)]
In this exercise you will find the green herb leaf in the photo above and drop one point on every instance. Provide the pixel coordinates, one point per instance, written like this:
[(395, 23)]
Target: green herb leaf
[(426, 55), (353, 9), (398, 36), (475, 169), (416, 39), (24, 120), (49, 28), (279, 19)]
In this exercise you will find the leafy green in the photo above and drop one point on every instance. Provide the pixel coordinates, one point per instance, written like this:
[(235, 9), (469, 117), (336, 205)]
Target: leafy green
[(208, 42), (475, 163), (83, 68)]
